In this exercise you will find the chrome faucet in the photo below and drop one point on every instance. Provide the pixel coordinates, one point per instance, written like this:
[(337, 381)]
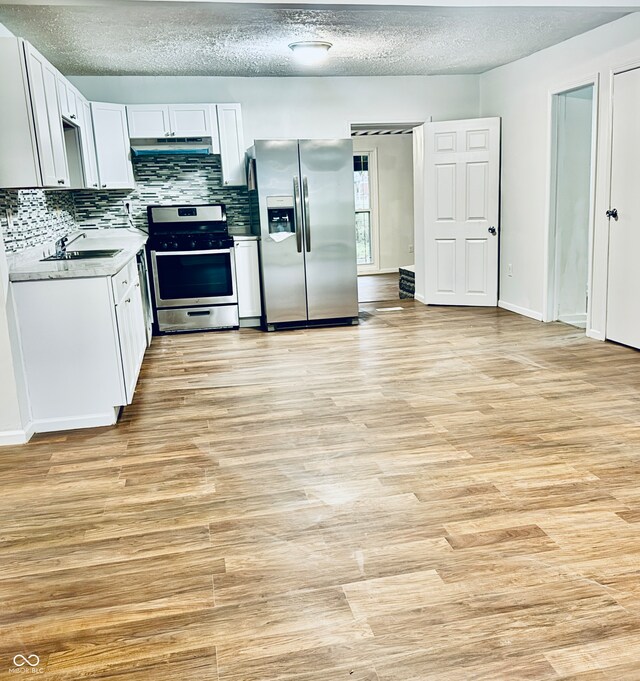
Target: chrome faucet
[(61, 247), (61, 244)]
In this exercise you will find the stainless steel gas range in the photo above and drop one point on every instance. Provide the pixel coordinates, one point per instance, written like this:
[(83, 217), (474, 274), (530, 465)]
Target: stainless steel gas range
[(193, 273)]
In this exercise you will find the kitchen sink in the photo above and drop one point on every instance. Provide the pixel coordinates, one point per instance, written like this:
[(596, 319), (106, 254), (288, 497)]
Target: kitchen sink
[(84, 255)]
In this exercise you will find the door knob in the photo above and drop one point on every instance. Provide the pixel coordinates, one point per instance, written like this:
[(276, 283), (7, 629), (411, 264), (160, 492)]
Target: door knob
[(613, 213), (492, 230)]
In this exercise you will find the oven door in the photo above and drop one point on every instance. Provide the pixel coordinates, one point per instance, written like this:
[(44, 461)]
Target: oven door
[(194, 278)]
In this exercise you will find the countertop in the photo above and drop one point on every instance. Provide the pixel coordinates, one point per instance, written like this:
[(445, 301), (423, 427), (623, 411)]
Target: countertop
[(27, 265)]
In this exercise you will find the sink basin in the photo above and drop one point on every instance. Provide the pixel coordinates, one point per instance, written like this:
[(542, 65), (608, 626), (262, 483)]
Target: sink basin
[(84, 255)]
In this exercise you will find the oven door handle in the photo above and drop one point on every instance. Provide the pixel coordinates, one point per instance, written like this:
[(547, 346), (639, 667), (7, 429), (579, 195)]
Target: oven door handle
[(222, 251)]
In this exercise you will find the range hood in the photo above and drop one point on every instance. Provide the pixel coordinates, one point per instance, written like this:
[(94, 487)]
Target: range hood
[(179, 146)]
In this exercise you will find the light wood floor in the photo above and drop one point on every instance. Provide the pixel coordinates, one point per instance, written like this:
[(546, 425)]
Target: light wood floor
[(378, 287), (438, 494)]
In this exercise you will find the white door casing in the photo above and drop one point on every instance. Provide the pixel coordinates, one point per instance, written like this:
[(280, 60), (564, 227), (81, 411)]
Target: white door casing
[(623, 310), (462, 194)]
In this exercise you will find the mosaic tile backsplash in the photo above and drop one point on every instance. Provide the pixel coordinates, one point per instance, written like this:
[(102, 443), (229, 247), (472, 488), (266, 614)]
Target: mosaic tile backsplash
[(40, 216), (165, 180), (37, 216)]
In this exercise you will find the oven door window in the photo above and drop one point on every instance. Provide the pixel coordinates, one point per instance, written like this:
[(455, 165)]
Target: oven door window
[(203, 276)]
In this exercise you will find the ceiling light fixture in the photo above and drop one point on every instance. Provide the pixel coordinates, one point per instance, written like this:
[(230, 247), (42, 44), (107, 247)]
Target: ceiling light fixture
[(310, 52)]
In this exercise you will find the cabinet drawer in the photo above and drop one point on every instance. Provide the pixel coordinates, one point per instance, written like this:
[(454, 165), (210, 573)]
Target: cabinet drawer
[(125, 278)]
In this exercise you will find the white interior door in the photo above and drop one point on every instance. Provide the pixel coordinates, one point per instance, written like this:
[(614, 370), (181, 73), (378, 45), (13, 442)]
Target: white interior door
[(623, 309), (462, 181)]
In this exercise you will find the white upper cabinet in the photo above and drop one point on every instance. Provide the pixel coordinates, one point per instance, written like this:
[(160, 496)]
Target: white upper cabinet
[(173, 120), (68, 98), (112, 146), (148, 120), (231, 144), (48, 119), (89, 161), (193, 120)]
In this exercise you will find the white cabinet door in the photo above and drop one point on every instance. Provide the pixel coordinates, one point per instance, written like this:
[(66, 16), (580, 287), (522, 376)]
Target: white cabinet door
[(89, 161), (192, 120), (148, 120), (131, 332), (248, 279), (48, 120), (231, 144), (68, 98), (113, 152), (462, 170)]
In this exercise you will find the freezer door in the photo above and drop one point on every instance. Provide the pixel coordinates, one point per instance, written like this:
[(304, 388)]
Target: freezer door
[(326, 169), (281, 246)]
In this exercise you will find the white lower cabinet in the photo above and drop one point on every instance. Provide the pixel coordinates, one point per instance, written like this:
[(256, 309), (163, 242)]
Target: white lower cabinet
[(248, 282), (82, 348), (132, 334)]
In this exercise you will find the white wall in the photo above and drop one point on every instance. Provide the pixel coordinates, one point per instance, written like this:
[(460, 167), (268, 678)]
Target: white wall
[(395, 196), (5, 32), (520, 93), (573, 191), (301, 107)]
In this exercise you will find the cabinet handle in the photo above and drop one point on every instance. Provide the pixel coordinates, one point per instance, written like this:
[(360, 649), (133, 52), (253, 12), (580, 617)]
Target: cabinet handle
[(173, 134), (104, 186), (128, 300), (72, 116), (166, 134), (95, 184), (138, 285), (60, 181), (125, 282)]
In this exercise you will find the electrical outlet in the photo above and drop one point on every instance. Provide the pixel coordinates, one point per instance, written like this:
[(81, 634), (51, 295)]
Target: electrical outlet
[(126, 205), (509, 270), (411, 248)]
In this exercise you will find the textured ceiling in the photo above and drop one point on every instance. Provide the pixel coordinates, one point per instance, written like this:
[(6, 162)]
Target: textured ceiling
[(196, 38)]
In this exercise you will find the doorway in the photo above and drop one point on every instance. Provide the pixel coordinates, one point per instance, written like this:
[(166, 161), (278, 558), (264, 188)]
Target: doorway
[(384, 203), (571, 214)]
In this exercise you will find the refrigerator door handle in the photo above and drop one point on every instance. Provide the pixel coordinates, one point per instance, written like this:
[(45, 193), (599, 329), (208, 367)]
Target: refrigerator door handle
[(297, 212), (307, 220)]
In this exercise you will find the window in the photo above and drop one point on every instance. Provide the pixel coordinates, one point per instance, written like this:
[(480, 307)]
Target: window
[(362, 188)]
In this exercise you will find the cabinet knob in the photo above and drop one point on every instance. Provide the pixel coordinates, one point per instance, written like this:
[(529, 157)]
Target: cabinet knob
[(60, 181), (128, 300), (125, 282), (138, 285), (104, 186), (166, 134), (95, 184), (72, 116)]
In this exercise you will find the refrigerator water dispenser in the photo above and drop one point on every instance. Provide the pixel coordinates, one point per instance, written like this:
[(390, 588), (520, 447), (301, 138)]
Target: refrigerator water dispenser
[(280, 214)]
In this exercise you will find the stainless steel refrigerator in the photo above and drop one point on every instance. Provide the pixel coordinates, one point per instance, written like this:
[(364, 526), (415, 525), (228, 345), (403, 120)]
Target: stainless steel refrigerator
[(302, 204)]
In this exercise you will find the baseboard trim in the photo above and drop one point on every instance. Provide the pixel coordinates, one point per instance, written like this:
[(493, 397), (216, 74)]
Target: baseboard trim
[(16, 437), (579, 320), (419, 298), (108, 418), (525, 312), (387, 270), (596, 335)]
